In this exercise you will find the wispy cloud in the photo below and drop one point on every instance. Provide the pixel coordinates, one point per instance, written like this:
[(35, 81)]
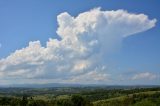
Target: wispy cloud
[(85, 42)]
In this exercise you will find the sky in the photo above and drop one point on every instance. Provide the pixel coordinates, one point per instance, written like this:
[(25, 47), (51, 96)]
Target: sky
[(81, 42)]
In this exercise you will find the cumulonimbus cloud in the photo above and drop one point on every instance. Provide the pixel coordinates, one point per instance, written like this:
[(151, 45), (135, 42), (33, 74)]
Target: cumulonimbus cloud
[(85, 40)]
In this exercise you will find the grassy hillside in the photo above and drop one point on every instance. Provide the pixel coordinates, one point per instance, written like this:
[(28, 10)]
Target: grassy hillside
[(149, 98)]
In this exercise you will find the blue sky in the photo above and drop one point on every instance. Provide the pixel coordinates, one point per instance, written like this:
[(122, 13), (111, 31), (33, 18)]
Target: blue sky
[(136, 61)]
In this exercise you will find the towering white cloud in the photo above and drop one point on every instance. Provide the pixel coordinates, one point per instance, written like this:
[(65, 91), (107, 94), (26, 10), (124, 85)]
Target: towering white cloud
[(85, 41)]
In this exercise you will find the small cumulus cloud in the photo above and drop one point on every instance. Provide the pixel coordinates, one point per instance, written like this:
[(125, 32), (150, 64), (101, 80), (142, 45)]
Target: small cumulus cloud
[(91, 77), (144, 76), (85, 41)]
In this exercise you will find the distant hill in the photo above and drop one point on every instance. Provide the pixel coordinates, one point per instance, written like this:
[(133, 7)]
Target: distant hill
[(52, 85)]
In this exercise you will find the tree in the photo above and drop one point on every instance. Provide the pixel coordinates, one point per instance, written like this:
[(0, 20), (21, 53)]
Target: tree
[(79, 100), (24, 101)]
